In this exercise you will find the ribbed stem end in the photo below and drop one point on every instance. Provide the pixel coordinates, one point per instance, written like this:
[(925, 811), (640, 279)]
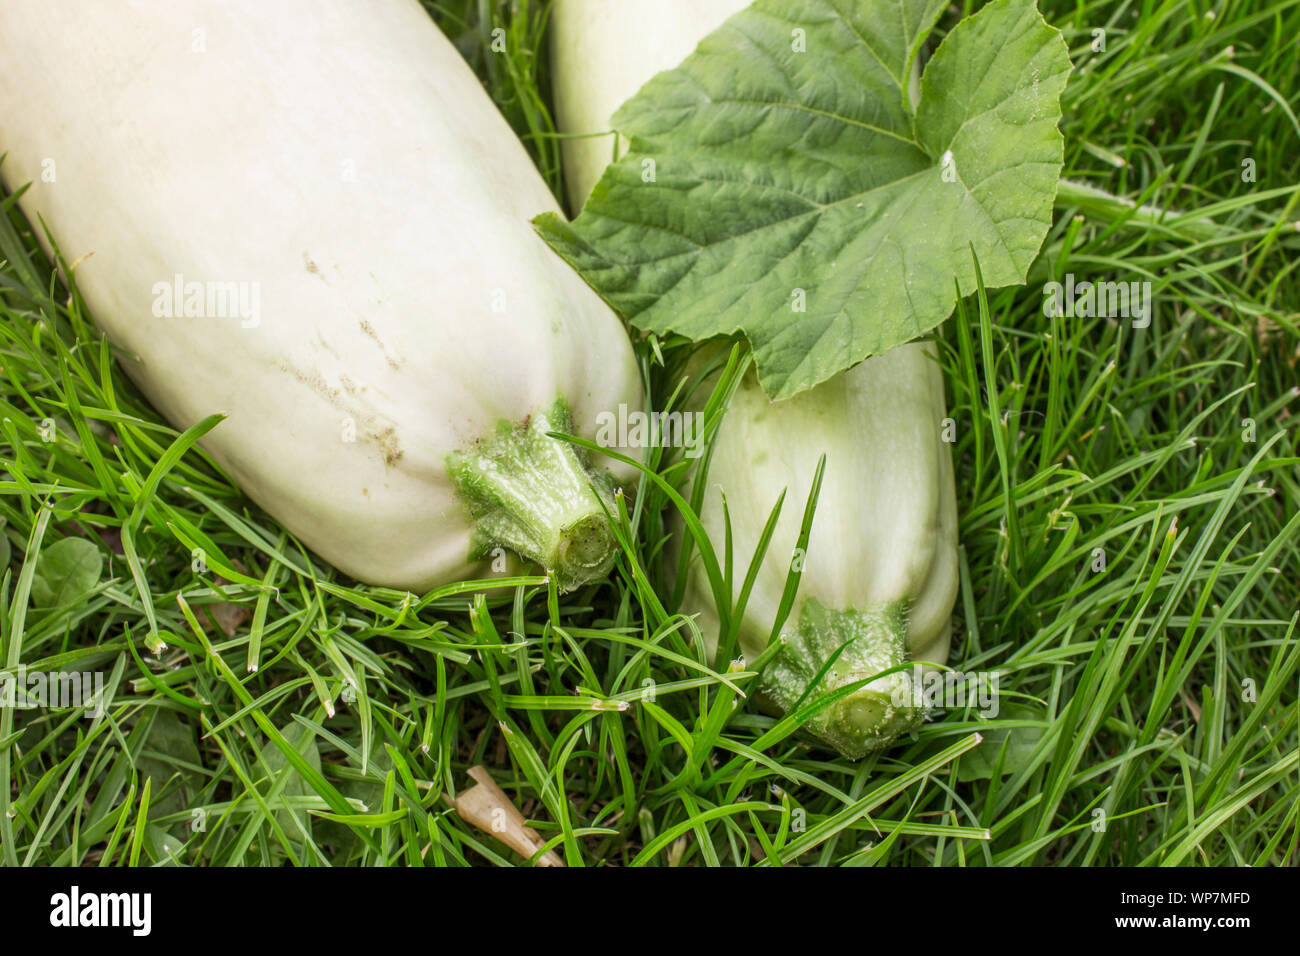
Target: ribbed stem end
[(862, 643), (535, 495)]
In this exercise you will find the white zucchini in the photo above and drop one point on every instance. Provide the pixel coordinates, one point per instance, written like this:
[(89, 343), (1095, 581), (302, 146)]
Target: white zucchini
[(880, 573), (603, 51), (404, 340)]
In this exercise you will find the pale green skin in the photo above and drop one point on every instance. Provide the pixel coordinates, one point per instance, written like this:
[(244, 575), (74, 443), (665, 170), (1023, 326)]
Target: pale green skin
[(880, 572)]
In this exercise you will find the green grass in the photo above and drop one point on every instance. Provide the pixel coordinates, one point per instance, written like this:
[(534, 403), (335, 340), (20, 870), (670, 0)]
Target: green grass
[(1149, 710)]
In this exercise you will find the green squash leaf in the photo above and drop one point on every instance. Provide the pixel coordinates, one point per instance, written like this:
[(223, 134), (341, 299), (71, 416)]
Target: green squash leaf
[(66, 571), (171, 752), (797, 196), (294, 822), (1020, 743)]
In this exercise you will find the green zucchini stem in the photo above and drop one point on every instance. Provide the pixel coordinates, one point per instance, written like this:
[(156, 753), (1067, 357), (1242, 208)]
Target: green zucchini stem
[(858, 645), (535, 495), (1109, 208)]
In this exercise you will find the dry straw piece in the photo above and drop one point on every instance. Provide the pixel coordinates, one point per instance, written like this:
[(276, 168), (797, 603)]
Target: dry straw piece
[(487, 807)]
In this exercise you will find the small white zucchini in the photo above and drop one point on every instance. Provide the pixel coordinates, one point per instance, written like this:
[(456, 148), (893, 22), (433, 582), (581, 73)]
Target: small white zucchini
[(308, 215), (879, 573), (879, 577)]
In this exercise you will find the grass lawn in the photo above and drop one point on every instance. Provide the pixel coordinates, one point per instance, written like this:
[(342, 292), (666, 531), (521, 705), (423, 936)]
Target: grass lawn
[(1129, 501)]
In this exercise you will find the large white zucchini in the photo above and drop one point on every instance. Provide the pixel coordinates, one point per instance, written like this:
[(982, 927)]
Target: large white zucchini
[(880, 573), (406, 339)]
